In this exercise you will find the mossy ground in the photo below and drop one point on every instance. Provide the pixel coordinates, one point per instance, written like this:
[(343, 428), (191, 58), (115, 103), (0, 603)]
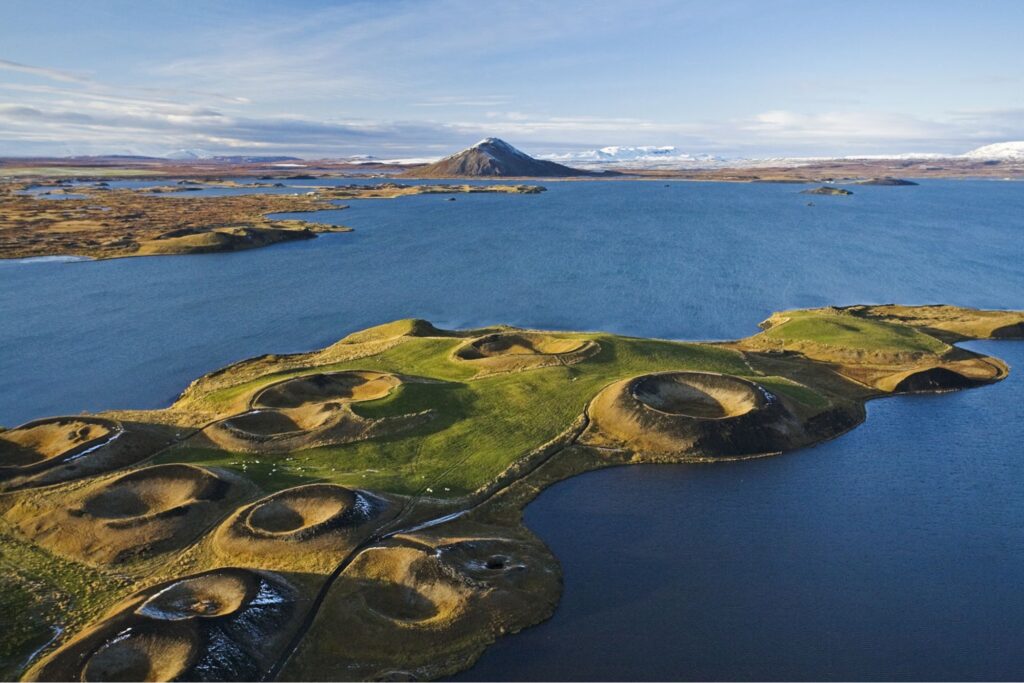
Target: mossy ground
[(822, 326), (481, 425)]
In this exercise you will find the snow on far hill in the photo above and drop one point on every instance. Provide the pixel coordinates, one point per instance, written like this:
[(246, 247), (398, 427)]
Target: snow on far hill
[(189, 154), (635, 157), (1006, 151)]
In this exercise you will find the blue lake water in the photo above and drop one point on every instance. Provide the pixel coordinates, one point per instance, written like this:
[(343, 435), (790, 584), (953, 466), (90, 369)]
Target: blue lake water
[(893, 552)]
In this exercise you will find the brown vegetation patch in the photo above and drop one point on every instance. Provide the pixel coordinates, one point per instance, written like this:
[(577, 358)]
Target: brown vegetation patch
[(146, 654), (513, 350), (151, 510), (211, 595), (351, 386), (311, 411), (424, 605), (225, 624), (949, 323), (306, 527), (694, 415), (54, 450), (44, 443)]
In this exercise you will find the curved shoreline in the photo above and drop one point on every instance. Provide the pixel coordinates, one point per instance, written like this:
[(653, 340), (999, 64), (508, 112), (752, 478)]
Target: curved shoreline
[(456, 547)]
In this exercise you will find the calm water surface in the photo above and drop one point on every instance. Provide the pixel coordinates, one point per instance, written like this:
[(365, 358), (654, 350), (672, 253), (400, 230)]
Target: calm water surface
[(895, 551)]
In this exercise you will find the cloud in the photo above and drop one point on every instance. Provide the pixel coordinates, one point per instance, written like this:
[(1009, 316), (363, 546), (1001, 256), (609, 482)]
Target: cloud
[(414, 80), (52, 74), (98, 124)]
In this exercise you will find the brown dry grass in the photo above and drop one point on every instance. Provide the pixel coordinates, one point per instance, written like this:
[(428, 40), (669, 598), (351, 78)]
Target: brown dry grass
[(148, 511)]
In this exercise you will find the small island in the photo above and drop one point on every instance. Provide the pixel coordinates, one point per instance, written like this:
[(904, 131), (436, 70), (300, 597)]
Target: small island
[(828, 191), (887, 181), (355, 512)]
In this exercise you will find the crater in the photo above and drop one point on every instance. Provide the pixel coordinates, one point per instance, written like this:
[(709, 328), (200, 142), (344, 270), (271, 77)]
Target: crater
[(350, 386), (519, 344), (693, 415), (935, 379), (400, 602), (302, 511), (215, 594), (264, 423), (154, 491), (697, 395), (144, 654), (51, 441)]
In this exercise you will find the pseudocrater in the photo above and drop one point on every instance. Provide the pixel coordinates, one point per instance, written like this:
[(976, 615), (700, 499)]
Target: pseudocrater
[(302, 511), (147, 511), (694, 415), (358, 385), (698, 395), (509, 351), (152, 492), (44, 443), (146, 654), (306, 412), (211, 595), (223, 624), (301, 524)]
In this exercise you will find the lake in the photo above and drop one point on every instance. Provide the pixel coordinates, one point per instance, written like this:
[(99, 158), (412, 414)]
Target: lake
[(892, 552)]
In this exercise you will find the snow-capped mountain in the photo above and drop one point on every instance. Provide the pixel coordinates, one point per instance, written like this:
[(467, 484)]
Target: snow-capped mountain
[(189, 155), (648, 156), (1004, 151)]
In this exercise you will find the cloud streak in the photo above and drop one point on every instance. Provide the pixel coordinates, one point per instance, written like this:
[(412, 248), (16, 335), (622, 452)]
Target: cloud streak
[(51, 74)]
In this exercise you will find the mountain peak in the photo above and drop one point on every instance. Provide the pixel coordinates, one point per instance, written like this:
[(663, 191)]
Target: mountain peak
[(493, 157)]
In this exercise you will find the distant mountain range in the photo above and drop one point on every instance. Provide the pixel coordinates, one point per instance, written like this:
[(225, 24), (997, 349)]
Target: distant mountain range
[(203, 155), (669, 157), (492, 158), (636, 157)]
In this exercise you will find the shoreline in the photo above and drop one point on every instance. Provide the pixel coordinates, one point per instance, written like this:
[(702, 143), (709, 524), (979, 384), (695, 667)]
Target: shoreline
[(428, 518)]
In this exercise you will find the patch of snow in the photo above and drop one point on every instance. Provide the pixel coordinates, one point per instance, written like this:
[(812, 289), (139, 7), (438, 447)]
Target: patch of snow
[(190, 154), (110, 439), (665, 156), (1004, 151)]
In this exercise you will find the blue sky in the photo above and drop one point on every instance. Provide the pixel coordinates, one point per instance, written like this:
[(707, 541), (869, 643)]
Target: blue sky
[(401, 79)]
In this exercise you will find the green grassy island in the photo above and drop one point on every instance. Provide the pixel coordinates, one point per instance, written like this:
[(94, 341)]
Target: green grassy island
[(355, 512)]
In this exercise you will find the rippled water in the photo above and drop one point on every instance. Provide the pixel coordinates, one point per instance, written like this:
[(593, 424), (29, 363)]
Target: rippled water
[(894, 551)]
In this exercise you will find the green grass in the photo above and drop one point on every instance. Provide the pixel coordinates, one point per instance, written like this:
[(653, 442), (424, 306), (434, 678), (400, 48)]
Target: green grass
[(797, 392), (480, 425), (848, 332), (39, 593)]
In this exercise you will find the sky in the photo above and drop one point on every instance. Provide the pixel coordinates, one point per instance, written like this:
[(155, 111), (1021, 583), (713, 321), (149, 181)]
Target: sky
[(400, 79)]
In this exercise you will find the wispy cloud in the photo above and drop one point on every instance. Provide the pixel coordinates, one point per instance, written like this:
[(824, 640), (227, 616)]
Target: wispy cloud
[(416, 79), (52, 74)]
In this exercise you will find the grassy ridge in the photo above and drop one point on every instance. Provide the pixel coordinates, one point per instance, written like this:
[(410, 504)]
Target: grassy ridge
[(849, 332), (480, 426)]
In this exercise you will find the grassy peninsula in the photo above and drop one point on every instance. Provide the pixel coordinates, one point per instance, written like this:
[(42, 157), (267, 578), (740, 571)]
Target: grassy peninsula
[(355, 512)]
